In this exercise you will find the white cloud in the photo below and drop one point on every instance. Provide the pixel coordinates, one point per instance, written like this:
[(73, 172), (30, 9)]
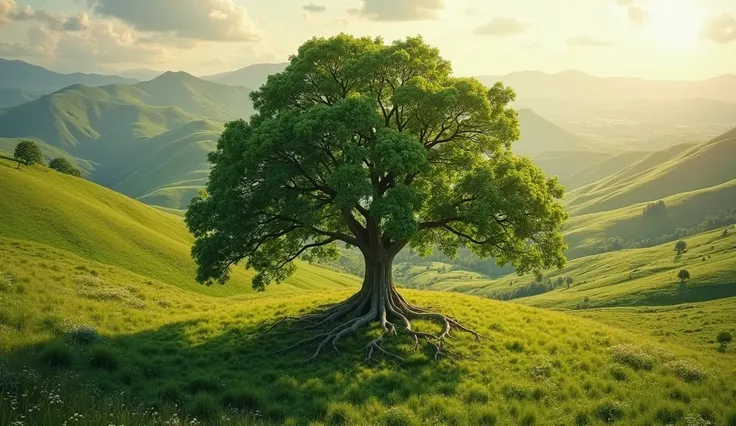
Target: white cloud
[(720, 30), (400, 10), (587, 42), (503, 27), (211, 20)]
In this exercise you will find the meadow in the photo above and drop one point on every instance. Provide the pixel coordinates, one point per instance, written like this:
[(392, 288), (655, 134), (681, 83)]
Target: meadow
[(88, 343)]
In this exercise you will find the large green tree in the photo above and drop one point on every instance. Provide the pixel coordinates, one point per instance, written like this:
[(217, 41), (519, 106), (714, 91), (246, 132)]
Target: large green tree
[(63, 165), (28, 153), (377, 147)]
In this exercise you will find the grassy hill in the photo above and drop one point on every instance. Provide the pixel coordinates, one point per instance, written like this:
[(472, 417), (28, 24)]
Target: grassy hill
[(118, 348), (45, 207), (636, 277), (148, 140), (650, 179), (14, 97), (7, 146)]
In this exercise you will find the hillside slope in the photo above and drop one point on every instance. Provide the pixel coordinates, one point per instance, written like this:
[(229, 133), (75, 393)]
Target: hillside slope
[(95, 223), (650, 179), (252, 76), (148, 140)]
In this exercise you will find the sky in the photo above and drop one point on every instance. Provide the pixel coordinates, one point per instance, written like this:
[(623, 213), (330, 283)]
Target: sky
[(652, 39)]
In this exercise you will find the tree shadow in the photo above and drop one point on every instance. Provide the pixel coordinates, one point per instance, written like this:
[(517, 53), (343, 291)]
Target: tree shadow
[(237, 364)]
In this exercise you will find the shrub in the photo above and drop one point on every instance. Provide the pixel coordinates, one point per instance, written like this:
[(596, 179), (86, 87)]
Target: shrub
[(243, 399), (61, 164), (680, 246), (683, 275), (485, 416), (476, 394), (686, 371), (340, 413), (204, 406), (56, 354), (203, 384), (400, 416), (724, 338), (669, 415), (633, 356), (584, 304), (103, 357), (83, 335), (610, 411)]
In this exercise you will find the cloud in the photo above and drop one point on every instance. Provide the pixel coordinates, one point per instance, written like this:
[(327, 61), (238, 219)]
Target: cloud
[(211, 20), (638, 15), (503, 27), (10, 12), (720, 30), (314, 8), (400, 10), (587, 42)]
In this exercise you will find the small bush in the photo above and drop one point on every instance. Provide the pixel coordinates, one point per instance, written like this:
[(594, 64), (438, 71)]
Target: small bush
[(103, 357), (243, 399), (619, 374), (485, 416), (476, 394), (582, 418), (400, 416), (633, 356), (83, 335), (57, 355), (341, 414), (724, 338), (204, 406), (203, 384), (669, 415), (686, 371), (610, 411)]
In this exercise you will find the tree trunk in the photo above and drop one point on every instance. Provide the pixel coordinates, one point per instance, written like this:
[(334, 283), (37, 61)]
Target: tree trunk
[(377, 301)]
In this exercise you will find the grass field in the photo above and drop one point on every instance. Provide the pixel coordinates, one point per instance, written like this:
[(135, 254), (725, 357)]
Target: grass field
[(87, 343), (102, 323)]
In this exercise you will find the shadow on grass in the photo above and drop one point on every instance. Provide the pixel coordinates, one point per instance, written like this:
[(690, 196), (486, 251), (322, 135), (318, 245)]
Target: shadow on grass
[(233, 367)]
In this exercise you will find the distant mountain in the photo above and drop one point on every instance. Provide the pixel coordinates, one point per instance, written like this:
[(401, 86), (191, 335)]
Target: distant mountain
[(14, 97), (143, 138), (576, 86), (140, 74), (25, 76), (540, 135), (252, 76)]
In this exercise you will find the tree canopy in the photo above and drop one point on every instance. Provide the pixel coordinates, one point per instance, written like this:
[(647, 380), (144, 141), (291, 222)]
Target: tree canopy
[(28, 153), (683, 275), (63, 165), (680, 246), (376, 146)]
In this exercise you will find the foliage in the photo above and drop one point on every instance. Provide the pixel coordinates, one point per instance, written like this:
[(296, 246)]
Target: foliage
[(28, 153), (655, 210), (63, 165), (680, 246), (724, 338), (375, 146), (683, 275)]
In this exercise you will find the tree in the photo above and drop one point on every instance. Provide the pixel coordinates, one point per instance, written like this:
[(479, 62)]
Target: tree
[(724, 338), (683, 275), (28, 153), (569, 281), (377, 147), (63, 165), (680, 246)]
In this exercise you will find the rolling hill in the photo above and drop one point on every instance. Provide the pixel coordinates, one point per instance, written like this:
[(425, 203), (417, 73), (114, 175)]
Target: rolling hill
[(70, 214), (14, 97), (25, 76), (147, 140), (651, 178)]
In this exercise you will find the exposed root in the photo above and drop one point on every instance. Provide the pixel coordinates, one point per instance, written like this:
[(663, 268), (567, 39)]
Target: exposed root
[(361, 310)]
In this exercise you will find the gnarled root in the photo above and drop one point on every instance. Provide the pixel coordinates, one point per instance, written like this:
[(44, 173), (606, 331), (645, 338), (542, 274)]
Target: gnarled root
[(361, 310)]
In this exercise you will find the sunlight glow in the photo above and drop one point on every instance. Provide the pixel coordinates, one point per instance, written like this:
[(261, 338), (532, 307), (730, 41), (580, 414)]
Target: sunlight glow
[(674, 23)]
